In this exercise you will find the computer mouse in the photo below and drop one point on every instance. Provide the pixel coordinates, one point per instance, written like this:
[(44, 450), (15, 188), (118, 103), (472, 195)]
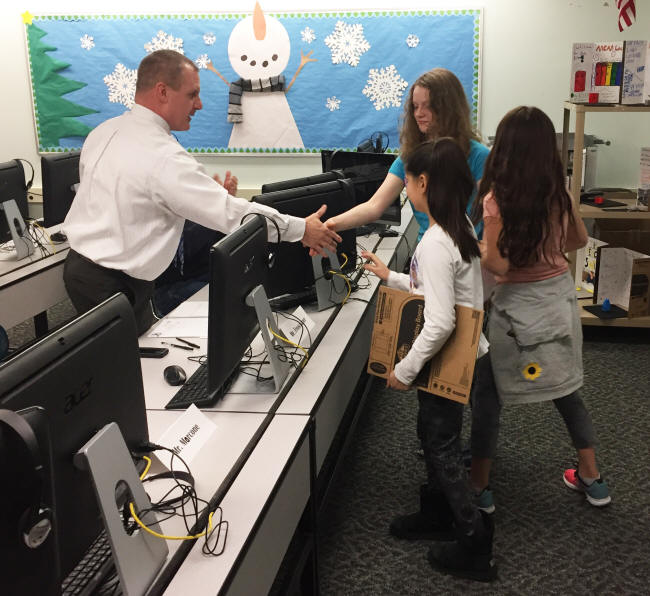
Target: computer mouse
[(175, 375)]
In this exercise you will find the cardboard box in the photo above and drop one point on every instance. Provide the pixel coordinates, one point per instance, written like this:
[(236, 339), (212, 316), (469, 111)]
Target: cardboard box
[(399, 318), (623, 277), (606, 72), (636, 73), (581, 67), (627, 233)]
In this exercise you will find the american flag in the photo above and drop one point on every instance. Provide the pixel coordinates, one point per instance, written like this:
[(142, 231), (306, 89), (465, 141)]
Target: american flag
[(626, 13)]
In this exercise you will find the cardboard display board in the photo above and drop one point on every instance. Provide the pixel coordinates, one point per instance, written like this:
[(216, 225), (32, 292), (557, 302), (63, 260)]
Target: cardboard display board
[(623, 277), (399, 318)]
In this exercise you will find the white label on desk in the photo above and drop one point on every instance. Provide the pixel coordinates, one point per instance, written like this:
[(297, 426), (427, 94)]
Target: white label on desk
[(186, 436), (180, 327), (292, 329)]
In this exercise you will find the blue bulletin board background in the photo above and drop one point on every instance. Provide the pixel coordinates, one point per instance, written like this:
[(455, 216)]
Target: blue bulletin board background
[(79, 63)]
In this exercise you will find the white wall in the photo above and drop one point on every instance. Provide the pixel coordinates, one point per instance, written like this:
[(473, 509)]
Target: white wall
[(526, 49)]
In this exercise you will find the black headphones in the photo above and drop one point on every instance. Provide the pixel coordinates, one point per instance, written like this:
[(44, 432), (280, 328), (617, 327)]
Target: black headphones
[(272, 258), (28, 184), (35, 522)]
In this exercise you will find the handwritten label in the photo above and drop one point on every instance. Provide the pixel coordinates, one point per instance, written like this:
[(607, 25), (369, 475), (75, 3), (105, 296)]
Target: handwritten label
[(186, 436), (293, 328)]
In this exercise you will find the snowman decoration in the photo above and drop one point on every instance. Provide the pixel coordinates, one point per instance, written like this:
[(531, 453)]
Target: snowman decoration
[(259, 50)]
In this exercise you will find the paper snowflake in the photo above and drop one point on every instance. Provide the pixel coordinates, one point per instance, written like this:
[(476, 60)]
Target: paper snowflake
[(307, 35), (121, 85), (164, 41), (385, 87), (202, 61), (209, 39), (333, 103), (412, 41), (347, 43), (87, 42)]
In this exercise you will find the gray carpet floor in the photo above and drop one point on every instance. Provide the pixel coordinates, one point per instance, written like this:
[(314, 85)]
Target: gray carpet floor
[(548, 540)]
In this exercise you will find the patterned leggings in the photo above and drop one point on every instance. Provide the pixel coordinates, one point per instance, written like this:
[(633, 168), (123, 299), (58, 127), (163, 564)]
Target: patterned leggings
[(440, 422)]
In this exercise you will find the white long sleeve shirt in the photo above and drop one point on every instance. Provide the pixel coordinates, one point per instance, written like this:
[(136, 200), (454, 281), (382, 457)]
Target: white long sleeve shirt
[(138, 185), (440, 274)]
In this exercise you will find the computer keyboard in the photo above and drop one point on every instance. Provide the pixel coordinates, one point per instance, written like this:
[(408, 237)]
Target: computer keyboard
[(94, 566), (287, 301), (195, 391)]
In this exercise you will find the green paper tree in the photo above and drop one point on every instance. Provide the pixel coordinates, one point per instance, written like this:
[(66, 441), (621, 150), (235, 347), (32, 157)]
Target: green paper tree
[(55, 115)]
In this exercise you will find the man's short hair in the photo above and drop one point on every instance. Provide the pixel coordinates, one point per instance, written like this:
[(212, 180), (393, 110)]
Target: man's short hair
[(162, 66)]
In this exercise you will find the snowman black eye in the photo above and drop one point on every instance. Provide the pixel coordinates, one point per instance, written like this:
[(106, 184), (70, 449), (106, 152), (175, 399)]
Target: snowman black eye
[(265, 63), (253, 63), (244, 57), (274, 57)]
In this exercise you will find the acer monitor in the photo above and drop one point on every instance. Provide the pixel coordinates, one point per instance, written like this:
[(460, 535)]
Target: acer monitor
[(366, 170), (60, 173), (12, 186), (238, 264), (84, 375), (292, 271), (304, 181)]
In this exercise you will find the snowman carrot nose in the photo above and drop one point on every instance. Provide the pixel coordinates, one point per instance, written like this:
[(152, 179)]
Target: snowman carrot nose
[(259, 23)]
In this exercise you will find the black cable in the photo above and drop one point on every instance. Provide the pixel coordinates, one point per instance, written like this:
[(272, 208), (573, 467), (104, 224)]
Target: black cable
[(188, 498)]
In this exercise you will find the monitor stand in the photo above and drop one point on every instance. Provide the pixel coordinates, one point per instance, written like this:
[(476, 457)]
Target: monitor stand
[(330, 289), (138, 557), (244, 383), (19, 233)]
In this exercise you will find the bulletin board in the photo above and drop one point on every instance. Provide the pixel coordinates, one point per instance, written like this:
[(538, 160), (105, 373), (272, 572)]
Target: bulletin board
[(353, 84)]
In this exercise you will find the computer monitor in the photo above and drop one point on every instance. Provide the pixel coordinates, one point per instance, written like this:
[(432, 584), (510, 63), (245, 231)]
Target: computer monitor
[(12, 186), (238, 264), (367, 171), (304, 181), (60, 173), (293, 270), (83, 375)]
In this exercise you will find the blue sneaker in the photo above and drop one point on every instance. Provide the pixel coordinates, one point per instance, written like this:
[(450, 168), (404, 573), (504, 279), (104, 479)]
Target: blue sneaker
[(597, 492), (485, 500)]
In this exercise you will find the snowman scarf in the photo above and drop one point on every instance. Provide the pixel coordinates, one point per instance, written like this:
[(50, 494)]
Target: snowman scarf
[(235, 113)]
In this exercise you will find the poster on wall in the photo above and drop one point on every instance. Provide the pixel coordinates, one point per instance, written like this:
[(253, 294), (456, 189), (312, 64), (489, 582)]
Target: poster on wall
[(271, 82)]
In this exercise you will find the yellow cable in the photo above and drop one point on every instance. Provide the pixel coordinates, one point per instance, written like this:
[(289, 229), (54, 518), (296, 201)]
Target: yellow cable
[(157, 535), (347, 281), (280, 337), (146, 468)]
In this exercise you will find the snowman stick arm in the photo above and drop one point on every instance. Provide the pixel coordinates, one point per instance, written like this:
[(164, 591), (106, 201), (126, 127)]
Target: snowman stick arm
[(210, 66), (303, 60)]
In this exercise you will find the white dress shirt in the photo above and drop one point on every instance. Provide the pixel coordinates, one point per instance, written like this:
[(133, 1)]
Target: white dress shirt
[(440, 274), (138, 185)]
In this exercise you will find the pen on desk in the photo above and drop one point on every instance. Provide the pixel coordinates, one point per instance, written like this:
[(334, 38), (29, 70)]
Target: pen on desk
[(189, 343), (177, 346)]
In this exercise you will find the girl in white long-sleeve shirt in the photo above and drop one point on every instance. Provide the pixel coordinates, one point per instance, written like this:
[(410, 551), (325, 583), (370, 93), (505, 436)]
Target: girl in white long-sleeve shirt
[(446, 270)]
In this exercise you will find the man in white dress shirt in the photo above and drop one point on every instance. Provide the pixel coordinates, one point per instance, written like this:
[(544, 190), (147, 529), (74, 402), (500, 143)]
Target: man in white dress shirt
[(138, 186)]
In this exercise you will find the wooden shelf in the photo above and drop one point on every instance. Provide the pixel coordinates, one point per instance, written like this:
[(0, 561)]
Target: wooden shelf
[(589, 211), (592, 212), (588, 318), (611, 108)]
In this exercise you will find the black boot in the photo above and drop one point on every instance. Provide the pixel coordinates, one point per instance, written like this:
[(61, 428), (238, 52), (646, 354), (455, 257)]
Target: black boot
[(434, 521), (470, 556)]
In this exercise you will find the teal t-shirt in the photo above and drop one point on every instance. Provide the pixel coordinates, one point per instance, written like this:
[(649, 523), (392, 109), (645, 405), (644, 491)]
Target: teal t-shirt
[(476, 160)]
